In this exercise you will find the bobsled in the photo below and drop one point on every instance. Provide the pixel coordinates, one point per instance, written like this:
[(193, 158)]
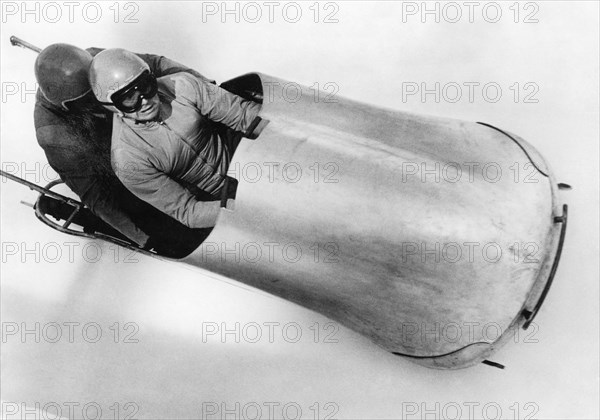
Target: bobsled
[(435, 238)]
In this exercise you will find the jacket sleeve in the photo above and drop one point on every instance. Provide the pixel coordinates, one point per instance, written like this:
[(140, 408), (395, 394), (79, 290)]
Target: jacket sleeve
[(156, 188), (218, 104), (84, 178)]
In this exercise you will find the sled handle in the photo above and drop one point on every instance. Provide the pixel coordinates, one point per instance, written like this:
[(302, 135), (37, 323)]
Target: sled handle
[(42, 190), (18, 42)]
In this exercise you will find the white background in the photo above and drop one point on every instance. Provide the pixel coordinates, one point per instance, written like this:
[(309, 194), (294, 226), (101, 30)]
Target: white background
[(174, 370)]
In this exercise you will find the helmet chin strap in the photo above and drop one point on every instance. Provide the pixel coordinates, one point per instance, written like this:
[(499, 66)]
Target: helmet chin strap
[(123, 115)]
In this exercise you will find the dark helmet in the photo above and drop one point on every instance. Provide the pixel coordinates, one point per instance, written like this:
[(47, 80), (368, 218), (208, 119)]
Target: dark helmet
[(62, 71)]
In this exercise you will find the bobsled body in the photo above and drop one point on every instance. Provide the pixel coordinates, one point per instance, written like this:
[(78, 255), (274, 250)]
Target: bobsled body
[(433, 237)]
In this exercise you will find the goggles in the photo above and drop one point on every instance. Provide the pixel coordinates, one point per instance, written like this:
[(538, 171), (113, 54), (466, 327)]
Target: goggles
[(129, 99)]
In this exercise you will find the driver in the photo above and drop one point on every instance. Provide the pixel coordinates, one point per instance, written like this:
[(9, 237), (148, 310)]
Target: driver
[(173, 136)]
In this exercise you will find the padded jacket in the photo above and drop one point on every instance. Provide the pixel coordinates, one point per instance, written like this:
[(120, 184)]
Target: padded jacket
[(185, 150)]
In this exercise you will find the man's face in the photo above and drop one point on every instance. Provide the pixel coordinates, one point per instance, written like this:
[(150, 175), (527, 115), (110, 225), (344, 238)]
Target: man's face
[(140, 100), (148, 111)]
